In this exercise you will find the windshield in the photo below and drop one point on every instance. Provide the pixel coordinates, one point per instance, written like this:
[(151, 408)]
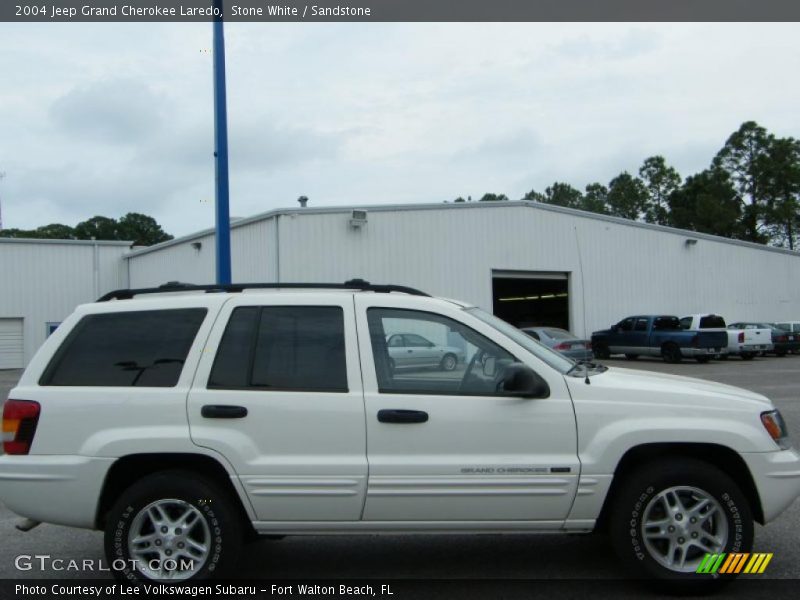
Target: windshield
[(558, 361)]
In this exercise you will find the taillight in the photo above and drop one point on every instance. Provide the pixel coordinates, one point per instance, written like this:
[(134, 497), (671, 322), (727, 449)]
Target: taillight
[(741, 337), (19, 424), (588, 345), (782, 338), (562, 346)]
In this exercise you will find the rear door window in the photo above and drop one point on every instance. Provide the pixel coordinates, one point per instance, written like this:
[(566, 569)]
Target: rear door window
[(282, 348), (126, 349)]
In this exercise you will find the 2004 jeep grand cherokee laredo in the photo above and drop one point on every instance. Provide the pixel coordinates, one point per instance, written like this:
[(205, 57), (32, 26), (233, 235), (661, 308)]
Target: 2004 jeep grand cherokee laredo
[(182, 423)]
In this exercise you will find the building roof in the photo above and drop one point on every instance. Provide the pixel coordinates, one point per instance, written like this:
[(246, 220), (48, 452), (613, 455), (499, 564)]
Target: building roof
[(460, 206), (5, 240)]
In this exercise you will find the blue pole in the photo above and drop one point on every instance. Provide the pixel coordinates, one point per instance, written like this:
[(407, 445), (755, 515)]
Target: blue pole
[(223, 217)]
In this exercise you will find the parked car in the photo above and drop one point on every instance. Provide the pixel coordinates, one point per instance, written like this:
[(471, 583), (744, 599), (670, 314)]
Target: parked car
[(783, 341), (657, 335), (413, 351), (562, 341), (791, 327), (182, 424), (745, 343)]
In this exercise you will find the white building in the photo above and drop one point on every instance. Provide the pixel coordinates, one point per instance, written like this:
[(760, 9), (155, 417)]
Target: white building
[(526, 262), (41, 282)]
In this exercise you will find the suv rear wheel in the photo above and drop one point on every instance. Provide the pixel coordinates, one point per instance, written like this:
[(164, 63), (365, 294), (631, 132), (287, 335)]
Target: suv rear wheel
[(172, 526), (669, 514)]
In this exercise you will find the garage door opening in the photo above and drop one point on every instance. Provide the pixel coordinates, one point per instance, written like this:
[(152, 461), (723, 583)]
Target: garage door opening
[(529, 299)]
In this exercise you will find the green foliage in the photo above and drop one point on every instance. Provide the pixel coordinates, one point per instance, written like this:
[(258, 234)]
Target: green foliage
[(141, 229), (596, 198), (661, 181), (493, 198), (744, 157), (707, 203), (138, 228), (627, 196), (780, 185)]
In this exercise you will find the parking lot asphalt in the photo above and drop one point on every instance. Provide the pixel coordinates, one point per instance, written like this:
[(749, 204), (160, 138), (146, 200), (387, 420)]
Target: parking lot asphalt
[(493, 557)]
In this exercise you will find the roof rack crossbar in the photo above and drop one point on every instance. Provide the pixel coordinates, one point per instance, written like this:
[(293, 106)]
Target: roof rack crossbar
[(177, 286)]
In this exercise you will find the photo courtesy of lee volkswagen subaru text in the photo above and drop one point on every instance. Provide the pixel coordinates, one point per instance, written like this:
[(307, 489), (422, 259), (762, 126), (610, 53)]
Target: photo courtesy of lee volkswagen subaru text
[(185, 420)]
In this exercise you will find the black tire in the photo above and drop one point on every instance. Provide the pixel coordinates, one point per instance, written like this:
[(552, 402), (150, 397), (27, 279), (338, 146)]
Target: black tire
[(637, 497), (632, 356), (671, 353), (214, 516), (601, 351), (449, 362), (747, 355), (702, 359)]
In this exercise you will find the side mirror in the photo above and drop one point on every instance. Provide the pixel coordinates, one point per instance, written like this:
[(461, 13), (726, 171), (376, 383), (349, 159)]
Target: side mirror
[(521, 381)]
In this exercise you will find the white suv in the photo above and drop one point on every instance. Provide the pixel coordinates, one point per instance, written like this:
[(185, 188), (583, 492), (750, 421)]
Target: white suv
[(183, 423)]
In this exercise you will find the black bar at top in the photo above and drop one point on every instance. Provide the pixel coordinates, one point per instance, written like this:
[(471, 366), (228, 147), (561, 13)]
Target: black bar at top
[(401, 10)]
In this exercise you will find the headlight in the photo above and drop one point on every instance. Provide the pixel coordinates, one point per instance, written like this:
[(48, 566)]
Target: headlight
[(776, 428)]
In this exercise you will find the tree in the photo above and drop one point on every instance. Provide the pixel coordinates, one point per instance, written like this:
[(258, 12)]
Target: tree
[(98, 228), (493, 198), (55, 231), (535, 196), (627, 196), (141, 230), (707, 202), (563, 194), (781, 191), (660, 180), (744, 158), (596, 198), (138, 228), (459, 199)]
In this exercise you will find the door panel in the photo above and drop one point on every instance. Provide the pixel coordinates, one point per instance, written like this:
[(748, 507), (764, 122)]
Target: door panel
[(476, 457), (299, 453)]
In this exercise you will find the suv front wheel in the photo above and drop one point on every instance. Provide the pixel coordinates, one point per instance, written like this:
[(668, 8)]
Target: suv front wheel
[(172, 526), (668, 515)]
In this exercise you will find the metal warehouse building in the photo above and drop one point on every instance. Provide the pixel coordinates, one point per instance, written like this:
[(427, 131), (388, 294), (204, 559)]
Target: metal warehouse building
[(41, 282), (527, 262)]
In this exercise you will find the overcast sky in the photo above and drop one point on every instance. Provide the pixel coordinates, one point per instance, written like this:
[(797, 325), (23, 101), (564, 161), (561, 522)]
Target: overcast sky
[(112, 118)]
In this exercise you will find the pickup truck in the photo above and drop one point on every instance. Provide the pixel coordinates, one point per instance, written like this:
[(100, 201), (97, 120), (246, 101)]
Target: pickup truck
[(657, 335), (745, 343)]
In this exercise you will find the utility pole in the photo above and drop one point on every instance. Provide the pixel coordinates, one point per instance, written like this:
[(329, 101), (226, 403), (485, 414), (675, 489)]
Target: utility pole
[(223, 217)]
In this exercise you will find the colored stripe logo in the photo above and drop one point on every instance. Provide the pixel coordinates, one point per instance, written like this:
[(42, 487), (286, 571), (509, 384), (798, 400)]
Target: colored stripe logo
[(735, 562)]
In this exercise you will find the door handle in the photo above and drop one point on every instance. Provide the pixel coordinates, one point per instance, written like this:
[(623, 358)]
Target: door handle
[(223, 411), (398, 415)]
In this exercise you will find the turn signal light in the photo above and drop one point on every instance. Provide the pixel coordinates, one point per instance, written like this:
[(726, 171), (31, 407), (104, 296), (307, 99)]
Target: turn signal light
[(20, 418), (776, 428)]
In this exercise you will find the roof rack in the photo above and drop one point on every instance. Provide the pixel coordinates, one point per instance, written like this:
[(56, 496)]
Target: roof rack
[(177, 286)]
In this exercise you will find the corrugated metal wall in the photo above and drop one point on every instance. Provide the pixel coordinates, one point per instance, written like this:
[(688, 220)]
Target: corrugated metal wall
[(614, 269), (43, 282)]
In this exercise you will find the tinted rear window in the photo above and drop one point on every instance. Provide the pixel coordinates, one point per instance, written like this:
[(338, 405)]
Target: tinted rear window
[(290, 348), (712, 322), (138, 348)]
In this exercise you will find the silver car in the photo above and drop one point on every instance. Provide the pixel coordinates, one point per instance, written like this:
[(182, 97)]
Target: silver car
[(412, 351), (563, 341)]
